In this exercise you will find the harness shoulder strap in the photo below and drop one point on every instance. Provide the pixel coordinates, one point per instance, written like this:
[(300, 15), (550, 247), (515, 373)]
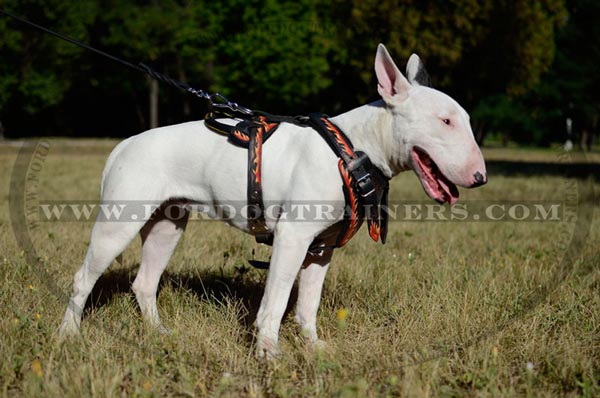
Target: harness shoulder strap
[(363, 183)]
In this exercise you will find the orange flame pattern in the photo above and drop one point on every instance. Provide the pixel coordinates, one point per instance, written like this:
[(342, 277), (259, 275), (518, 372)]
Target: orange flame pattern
[(353, 199), (262, 131), (258, 155), (268, 126), (374, 230), (241, 136), (339, 138)]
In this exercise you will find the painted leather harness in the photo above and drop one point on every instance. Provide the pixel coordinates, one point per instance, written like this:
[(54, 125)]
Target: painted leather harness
[(365, 186)]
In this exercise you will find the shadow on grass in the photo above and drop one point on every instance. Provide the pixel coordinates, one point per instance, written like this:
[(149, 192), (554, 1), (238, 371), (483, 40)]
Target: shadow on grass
[(214, 288)]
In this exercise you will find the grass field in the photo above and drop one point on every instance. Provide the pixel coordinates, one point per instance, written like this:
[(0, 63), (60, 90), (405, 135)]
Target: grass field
[(444, 309)]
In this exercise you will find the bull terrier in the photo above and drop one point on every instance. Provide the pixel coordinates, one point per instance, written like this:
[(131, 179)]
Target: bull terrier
[(412, 126)]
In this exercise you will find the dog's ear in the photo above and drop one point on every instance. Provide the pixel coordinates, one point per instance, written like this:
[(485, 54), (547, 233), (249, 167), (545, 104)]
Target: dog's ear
[(416, 73), (391, 83)]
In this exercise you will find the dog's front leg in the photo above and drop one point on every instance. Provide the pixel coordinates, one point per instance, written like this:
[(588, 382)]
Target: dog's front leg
[(289, 250), (310, 286)]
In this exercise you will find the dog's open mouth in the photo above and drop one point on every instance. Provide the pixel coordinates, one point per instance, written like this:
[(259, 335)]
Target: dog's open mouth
[(437, 186)]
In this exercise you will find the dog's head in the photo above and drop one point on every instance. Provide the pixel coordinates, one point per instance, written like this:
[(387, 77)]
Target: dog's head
[(432, 132)]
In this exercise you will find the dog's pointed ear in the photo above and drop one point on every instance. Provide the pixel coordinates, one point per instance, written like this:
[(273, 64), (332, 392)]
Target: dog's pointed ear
[(391, 83), (416, 73)]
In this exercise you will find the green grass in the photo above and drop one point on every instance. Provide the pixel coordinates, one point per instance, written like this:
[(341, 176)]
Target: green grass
[(443, 309)]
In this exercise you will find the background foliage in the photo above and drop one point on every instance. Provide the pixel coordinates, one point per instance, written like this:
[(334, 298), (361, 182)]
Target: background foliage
[(519, 67)]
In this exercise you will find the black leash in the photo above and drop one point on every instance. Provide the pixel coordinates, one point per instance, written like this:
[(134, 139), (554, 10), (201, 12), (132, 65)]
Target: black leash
[(360, 176), (216, 100)]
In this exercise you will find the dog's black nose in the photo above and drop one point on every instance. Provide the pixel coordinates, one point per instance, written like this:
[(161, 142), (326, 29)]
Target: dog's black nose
[(480, 179)]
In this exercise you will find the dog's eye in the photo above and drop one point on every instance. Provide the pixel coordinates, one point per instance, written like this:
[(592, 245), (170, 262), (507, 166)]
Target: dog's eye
[(446, 122)]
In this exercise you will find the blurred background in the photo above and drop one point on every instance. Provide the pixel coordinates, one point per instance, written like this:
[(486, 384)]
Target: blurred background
[(521, 68)]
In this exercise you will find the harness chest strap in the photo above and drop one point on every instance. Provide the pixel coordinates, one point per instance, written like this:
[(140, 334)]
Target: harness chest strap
[(364, 185), (251, 134), (257, 134)]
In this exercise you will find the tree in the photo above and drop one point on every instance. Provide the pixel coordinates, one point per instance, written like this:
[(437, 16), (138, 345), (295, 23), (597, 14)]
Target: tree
[(272, 55), (293, 57), (474, 49), (36, 70), (142, 31), (568, 89)]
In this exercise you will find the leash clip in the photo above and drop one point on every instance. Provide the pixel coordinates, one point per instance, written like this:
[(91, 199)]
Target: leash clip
[(218, 100)]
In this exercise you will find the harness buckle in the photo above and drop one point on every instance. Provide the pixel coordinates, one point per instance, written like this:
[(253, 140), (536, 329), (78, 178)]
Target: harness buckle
[(358, 167), (366, 187)]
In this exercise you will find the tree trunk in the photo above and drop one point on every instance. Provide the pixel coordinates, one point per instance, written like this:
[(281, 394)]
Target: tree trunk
[(153, 103), (584, 140)]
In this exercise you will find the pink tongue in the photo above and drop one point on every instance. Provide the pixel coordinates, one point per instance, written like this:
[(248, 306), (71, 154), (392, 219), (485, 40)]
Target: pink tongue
[(436, 184), (448, 192)]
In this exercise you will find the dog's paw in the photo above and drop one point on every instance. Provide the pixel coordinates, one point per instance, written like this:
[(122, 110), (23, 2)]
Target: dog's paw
[(318, 345), (313, 344), (268, 349), (68, 329), (161, 329), (312, 341)]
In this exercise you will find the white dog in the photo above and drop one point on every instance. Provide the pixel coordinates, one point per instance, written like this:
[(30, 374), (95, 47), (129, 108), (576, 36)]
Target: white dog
[(411, 127)]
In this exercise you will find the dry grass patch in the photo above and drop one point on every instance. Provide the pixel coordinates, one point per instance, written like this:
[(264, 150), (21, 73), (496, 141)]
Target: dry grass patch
[(444, 309)]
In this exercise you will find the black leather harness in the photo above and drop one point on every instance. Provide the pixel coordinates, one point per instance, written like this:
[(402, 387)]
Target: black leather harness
[(365, 186)]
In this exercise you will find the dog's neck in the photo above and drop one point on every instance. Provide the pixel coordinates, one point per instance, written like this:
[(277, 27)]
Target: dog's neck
[(369, 127)]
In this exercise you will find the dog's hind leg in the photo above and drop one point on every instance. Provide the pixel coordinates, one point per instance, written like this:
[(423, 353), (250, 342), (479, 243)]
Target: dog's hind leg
[(159, 238), (310, 286), (108, 240)]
